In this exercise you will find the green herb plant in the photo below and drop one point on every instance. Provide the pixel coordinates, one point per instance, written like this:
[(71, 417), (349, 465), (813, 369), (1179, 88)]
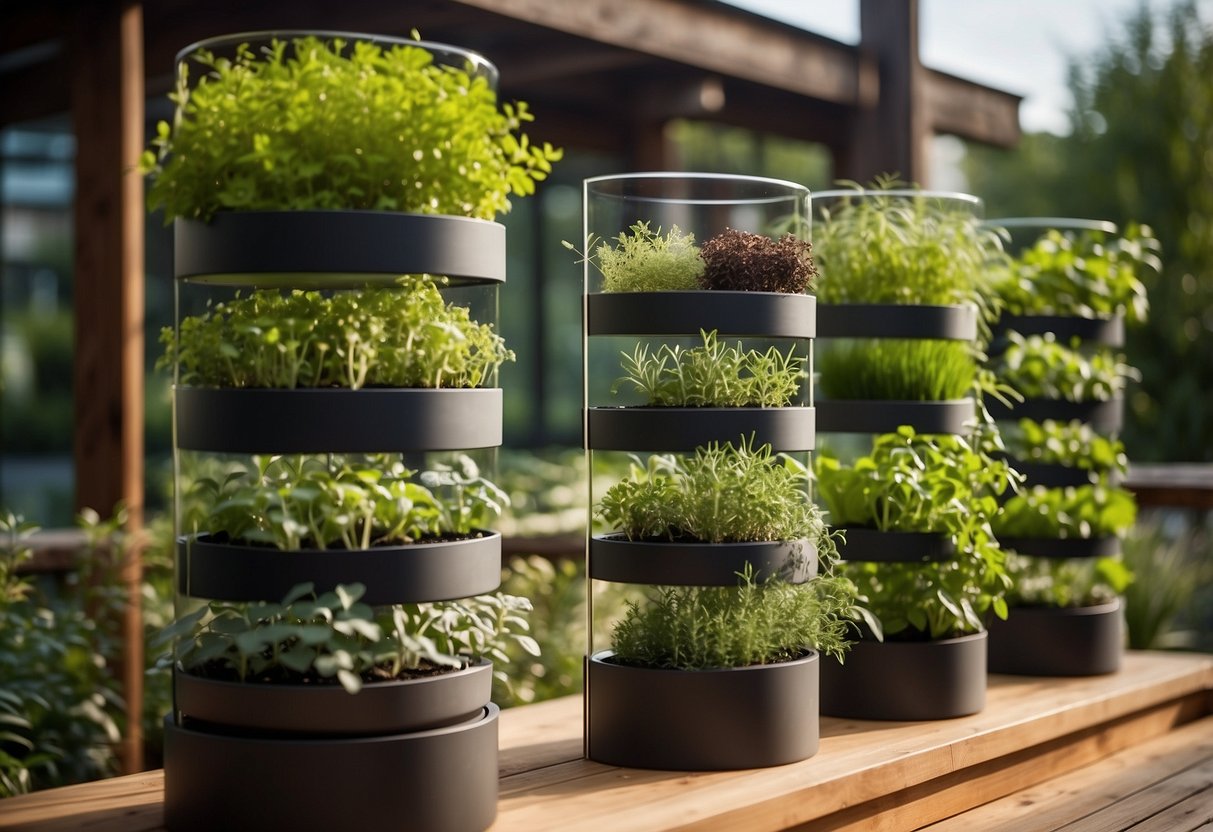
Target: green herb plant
[(918, 483), (1083, 511), (387, 337), (1066, 582), (714, 375), (1086, 275), (316, 123), (295, 502), (894, 369), (697, 628), (1038, 367), (645, 260), (335, 637), (722, 493), (1074, 444)]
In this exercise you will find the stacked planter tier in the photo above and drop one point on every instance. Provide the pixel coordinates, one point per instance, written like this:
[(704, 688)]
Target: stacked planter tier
[(1045, 640), (292, 755), (910, 680), (713, 719)]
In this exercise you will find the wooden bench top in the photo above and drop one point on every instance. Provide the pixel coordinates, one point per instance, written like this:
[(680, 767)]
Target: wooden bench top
[(867, 775)]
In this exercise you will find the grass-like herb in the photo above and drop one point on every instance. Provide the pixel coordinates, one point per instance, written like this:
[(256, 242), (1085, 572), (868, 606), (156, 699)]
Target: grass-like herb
[(384, 337), (899, 248), (315, 123), (897, 369), (336, 637), (721, 493), (697, 628), (744, 261), (1073, 582), (918, 483), (1087, 274), (1075, 444), (1077, 512), (323, 502), (1040, 368), (714, 375), (646, 260)]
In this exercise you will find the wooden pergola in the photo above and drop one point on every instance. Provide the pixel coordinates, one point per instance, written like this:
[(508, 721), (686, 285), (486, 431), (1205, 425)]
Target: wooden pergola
[(607, 75)]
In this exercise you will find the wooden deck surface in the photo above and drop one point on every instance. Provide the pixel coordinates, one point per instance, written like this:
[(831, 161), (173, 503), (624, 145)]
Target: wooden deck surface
[(867, 775)]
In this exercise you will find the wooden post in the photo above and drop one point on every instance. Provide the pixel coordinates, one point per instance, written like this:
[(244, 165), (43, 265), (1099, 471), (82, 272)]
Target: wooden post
[(892, 131), (107, 94)]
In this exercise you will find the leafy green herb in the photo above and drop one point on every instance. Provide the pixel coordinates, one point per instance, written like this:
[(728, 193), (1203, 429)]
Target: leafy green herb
[(335, 636), (1077, 512), (645, 260), (917, 483), (900, 248), (744, 261), (323, 124), (1040, 368), (322, 502), (388, 337), (714, 375), (1086, 275), (696, 628), (897, 369), (722, 493), (1074, 444), (1073, 582)]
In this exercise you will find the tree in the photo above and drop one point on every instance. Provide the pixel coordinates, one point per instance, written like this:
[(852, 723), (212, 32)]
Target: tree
[(1140, 148)]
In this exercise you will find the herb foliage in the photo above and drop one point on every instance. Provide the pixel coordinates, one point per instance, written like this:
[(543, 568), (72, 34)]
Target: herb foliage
[(646, 260), (1084, 511), (316, 123), (1073, 582), (714, 375), (895, 369), (377, 337), (1074, 444), (1038, 367)]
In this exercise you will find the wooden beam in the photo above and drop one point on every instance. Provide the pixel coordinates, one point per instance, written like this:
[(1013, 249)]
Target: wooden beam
[(107, 111), (712, 36), (971, 111), (891, 128)]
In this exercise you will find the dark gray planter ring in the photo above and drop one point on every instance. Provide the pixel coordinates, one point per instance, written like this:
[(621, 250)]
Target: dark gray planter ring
[(854, 416), (379, 708), (701, 720), (334, 248), (392, 574), (444, 780), (615, 558), (1060, 548), (907, 680), (370, 420), (1103, 417), (760, 314), (687, 428), (1055, 641), (891, 320), (1052, 475), (1106, 332), (874, 546)]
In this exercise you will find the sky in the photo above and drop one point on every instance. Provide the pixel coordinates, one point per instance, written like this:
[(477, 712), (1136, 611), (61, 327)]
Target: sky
[(1021, 46)]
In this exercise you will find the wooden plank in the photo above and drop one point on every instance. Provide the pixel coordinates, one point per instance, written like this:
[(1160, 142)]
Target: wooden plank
[(710, 36), (1058, 801), (1171, 805), (970, 110)]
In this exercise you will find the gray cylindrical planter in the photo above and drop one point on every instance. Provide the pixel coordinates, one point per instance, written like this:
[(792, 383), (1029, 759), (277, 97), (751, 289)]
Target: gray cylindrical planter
[(687, 428), (702, 720), (891, 320), (390, 707), (1062, 547), (1106, 332), (907, 680), (615, 558), (444, 780), (728, 313), (874, 546), (369, 420), (286, 248), (1052, 475), (1057, 641), (1103, 417), (438, 571), (857, 416)]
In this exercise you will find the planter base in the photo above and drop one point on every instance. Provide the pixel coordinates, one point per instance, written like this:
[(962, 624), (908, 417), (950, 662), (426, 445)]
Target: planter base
[(909, 680), (443, 780), (1050, 641), (702, 720)]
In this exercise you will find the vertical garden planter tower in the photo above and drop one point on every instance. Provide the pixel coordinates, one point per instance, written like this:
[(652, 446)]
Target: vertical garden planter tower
[(1067, 288), (679, 342), (306, 480), (898, 320)]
